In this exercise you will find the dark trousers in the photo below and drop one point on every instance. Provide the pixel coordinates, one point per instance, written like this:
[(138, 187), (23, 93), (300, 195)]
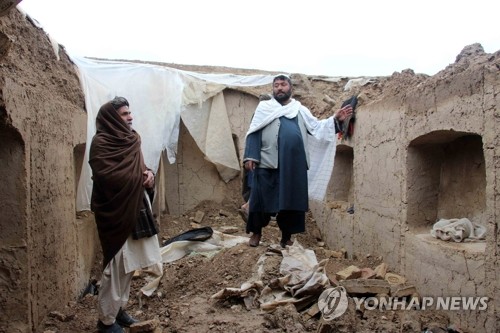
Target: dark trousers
[(289, 221)]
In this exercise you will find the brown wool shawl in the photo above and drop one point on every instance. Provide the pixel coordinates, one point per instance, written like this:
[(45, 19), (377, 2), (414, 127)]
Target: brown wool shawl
[(117, 172)]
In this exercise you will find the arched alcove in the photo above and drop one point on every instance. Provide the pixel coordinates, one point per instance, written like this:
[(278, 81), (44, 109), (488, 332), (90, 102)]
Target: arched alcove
[(446, 179), (341, 182), (14, 270)]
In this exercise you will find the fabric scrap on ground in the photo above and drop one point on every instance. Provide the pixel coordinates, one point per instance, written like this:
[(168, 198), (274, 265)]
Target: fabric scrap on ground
[(458, 230), (303, 280)]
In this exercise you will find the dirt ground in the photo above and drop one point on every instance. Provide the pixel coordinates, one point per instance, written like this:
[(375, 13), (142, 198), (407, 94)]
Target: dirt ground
[(182, 302)]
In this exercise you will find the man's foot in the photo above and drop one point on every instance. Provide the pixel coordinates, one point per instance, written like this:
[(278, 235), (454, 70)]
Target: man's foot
[(124, 320), (254, 240), (113, 328), (286, 239), (284, 244)]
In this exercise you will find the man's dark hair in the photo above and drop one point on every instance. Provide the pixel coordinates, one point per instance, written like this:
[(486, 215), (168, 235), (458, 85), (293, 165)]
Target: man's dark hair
[(283, 77), (118, 102)]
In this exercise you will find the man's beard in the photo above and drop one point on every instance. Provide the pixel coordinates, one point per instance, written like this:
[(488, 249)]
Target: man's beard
[(283, 96)]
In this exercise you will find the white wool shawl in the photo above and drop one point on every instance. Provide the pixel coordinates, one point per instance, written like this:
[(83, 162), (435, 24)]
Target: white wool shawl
[(271, 109)]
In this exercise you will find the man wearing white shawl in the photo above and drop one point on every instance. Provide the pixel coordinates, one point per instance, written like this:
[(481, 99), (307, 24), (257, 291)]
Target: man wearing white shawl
[(276, 152)]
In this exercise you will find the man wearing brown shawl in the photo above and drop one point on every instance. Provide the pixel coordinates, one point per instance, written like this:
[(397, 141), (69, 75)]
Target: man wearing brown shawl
[(122, 186)]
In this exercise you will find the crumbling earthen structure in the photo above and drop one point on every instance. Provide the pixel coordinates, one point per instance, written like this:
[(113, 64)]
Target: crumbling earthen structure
[(423, 148), (427, 150)]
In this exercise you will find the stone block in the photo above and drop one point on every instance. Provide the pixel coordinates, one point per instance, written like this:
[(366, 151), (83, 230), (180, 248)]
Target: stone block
[(368, 273), (229, 229), (199, 216), (381, 270), (225, 213), (312, 311), (351, 272), (334, 254), (145, 326), (364, 286)]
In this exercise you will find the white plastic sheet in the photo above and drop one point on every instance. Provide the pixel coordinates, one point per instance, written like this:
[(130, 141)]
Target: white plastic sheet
[(157, 96)]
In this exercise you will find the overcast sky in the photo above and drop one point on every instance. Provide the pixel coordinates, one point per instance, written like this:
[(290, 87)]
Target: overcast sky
[(315, 37)]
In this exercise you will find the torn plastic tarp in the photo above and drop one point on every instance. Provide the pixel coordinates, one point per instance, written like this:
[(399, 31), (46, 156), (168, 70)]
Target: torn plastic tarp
[(158, 95), (210, 128), (302, 282)]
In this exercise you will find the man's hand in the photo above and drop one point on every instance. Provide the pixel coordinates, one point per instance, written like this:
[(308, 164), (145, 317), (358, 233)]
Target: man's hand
[(249, 165), (149, 179), (344, 113)]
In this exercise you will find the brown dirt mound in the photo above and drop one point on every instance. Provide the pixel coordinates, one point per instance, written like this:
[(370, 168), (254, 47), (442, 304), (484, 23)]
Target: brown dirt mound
[(182, 302)]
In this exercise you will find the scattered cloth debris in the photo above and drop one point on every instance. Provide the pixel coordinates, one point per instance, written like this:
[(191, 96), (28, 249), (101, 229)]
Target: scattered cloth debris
[(197, 234), (358, 82), (302, 281), (458, 230)]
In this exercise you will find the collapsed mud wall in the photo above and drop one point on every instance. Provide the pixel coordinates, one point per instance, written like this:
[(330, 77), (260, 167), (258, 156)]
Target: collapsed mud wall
[(423, 148), (427, 149), (42, 124)]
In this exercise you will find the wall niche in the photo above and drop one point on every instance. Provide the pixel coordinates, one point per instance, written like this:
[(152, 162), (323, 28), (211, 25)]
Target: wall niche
[(446, 179)]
